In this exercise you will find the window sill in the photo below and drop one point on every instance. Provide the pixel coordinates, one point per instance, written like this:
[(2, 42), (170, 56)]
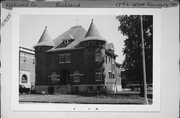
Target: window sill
[(64, 62), (98, 80)]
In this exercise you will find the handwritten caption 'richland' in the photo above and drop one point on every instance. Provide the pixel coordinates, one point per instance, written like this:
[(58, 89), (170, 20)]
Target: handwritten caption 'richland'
[(40, 4)]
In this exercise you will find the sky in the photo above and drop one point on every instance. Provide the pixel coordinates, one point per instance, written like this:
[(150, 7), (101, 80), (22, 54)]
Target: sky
[(32, 27)]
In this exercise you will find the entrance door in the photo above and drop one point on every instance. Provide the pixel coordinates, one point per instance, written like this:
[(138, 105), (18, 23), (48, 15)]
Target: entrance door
[(64, 77)]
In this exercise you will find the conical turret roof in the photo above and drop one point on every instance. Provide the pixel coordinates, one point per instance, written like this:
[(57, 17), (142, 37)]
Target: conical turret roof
[(93, 33), (45, 39)]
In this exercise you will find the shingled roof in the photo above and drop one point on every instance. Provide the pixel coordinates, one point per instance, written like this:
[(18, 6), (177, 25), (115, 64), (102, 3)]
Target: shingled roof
[(93, 33), (110, 49), (45, 39), (77, 33)]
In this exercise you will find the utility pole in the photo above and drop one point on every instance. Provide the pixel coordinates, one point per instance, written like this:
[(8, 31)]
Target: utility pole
[(144, 64)]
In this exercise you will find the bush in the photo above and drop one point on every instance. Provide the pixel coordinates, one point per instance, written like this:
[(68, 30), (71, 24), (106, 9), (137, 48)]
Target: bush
[(51, 90)]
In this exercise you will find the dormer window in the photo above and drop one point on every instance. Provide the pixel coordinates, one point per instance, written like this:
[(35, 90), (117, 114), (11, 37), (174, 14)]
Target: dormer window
[(67, 41)]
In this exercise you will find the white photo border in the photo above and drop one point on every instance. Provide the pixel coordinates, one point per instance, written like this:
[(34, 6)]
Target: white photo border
[(17, 12)]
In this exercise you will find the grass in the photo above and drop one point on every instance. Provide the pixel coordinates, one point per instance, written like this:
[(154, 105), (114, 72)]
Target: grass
[(85, 98)]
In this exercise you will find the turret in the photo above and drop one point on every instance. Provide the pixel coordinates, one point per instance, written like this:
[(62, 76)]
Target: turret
[(93, 37), (94, 45), (45, 42), (42, 58)]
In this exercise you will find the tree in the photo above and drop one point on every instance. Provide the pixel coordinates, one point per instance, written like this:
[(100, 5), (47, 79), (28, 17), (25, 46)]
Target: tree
[(130, 27)]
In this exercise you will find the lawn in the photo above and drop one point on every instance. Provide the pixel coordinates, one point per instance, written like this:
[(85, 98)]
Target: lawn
[(84, 99)]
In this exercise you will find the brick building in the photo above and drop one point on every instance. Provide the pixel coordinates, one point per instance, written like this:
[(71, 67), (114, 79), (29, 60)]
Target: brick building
[(27, 67), (76, 62)]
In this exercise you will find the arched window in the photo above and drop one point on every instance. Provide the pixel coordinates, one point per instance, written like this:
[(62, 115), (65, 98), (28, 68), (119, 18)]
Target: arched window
[(54, 78), (24, 79), (76, 76)]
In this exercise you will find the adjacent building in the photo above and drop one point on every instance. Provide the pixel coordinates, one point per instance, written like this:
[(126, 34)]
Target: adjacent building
[(77, 61), (27, 67)]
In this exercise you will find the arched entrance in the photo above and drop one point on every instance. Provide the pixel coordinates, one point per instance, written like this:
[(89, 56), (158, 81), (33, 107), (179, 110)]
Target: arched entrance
[(24, 78), (64, 77)]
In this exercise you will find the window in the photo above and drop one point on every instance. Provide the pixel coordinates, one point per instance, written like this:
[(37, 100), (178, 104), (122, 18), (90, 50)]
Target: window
[(109, 59), (99, 57), (24, 57), (33, 61), (112, 61), (66, 41), (64, 58), (110, 75), (54, 78), (98, 76), (24, 79), (27, 58), (76, 78), (113, 75)]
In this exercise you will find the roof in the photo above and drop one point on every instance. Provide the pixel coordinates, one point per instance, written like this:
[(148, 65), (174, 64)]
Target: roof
[(69, 36), (93, 33), (77, 33), (111, 53), (26, 50), (45, 39), (109, 46), (72, 38), (110, 49)]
